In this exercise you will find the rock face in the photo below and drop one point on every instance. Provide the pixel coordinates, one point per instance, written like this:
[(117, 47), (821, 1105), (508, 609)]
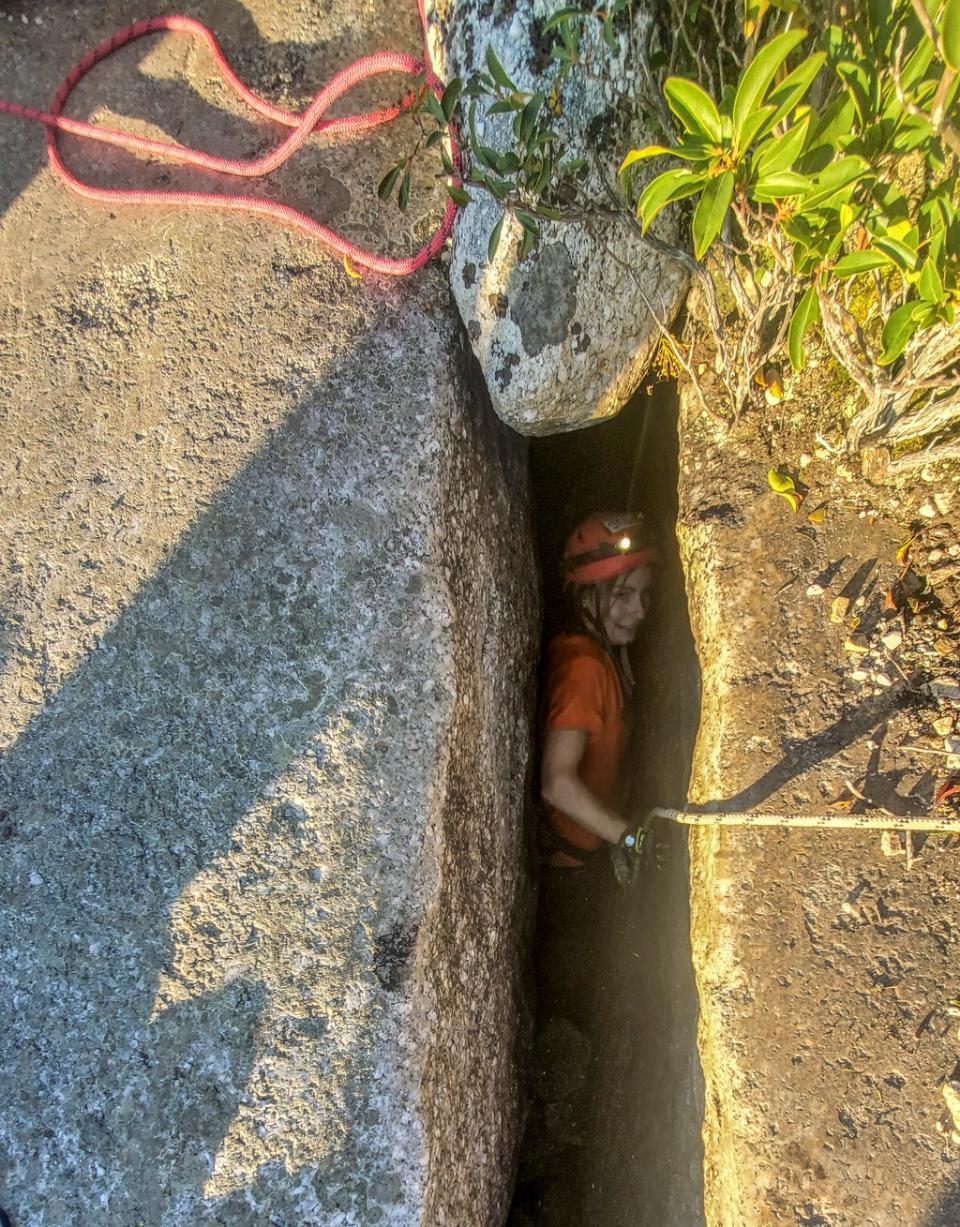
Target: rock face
[(565, 336), (825, 968), (269, 620)]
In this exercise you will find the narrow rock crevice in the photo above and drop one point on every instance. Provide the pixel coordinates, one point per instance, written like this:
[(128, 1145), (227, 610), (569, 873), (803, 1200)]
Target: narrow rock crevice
[(615, 1090)]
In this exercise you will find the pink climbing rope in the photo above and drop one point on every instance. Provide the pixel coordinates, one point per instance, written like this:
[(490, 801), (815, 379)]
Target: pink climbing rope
[(302, 125)]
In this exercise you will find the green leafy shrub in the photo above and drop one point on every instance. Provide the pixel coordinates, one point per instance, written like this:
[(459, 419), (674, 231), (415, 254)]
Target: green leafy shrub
[(818, 153), (823, 177)]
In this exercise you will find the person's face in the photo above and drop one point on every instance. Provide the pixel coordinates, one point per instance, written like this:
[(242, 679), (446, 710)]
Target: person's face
[(626, 605)]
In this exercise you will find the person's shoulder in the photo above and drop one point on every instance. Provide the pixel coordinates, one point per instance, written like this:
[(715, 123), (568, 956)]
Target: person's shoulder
[(569, 646)]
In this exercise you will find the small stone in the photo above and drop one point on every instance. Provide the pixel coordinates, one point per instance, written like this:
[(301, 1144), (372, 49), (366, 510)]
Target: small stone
[(859, 675), (942, 502), (951, 1093), (892, 640), (943, 725), (954, 550), (928, 509), (945, 688), (882, 679), (815, 590), (942, 624), (891, 844), (839, 609), (934, 555), (944, 646), (952, 745), (805, 459)]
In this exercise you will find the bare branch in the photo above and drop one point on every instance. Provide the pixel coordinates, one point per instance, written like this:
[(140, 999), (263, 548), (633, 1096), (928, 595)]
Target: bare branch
[(676, 350)]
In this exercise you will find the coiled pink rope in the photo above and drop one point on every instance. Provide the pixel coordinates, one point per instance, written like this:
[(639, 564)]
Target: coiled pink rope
[(303, 126)]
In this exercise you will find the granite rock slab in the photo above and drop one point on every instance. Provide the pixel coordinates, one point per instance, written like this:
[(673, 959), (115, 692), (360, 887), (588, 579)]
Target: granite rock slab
[(268, 623)]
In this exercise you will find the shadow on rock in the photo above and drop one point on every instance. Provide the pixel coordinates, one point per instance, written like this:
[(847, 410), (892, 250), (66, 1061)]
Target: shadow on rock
[(130, 788)]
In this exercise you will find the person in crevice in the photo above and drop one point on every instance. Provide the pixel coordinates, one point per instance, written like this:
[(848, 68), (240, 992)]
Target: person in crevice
[(608, 566)]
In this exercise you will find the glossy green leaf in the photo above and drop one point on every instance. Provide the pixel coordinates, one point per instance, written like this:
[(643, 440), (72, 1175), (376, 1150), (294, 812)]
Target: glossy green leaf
[(781, 152), (911, 134), (917, 63), (854, 76), (494, 241), (693, 107), (388, 182), (638, 155), (950, 34), (497, 70), (898, 330), (754, 123), (555, 19), (806, 312), (790, 92), (403, 195), (834, 122), (901, 254), (778, 186), (930, 284), (506, 106), (432, 104), (758, 75), (665, 189), (860, 262), (838, 175), (451, 96), (710, 211), (528, 118), (458, 195)]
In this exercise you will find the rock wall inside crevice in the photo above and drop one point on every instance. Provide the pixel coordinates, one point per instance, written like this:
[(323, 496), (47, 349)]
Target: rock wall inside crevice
[(473, 959)]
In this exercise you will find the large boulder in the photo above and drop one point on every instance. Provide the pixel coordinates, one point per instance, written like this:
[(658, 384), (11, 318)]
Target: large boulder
[(269, 623), (565, 336)]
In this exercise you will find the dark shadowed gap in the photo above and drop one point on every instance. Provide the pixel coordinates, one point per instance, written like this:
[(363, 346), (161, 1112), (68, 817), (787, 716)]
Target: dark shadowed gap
[(615, 1099)]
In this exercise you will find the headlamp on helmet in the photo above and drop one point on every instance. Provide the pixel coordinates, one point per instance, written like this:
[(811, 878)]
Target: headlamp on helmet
[(605, 545)]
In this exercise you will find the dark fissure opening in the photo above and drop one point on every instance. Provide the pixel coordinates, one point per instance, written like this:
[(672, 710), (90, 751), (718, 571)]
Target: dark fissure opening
[(614, 1099)]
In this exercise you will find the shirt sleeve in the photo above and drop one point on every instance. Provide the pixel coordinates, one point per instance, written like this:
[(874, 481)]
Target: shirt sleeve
[(575, 695)]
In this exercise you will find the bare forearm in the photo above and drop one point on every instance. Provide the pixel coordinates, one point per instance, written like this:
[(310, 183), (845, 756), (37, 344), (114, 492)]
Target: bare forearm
[(571, 796)]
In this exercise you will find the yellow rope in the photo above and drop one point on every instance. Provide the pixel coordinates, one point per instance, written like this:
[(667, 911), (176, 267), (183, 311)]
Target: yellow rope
[(874, 820)]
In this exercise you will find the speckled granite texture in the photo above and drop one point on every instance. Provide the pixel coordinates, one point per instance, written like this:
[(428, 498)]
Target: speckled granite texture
[(268, 621)]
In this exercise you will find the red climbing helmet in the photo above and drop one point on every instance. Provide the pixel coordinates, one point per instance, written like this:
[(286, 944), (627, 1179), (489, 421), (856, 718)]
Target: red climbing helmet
[(607, 544)]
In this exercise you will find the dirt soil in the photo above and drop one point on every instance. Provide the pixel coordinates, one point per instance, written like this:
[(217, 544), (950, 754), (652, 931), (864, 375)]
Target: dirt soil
[(826, 960)]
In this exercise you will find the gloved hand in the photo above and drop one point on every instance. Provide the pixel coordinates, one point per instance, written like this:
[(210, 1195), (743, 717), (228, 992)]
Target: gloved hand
[(627, 855), (633, 840)]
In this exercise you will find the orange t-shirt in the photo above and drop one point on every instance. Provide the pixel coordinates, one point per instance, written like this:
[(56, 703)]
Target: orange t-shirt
[(583, 692)]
